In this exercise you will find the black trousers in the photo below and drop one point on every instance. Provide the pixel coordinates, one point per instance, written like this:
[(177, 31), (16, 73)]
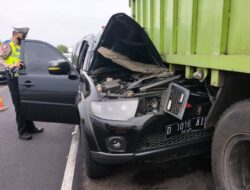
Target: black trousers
[(23, 125)]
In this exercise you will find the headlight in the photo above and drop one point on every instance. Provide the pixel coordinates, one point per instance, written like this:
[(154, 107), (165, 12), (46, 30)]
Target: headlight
[(115, 110)]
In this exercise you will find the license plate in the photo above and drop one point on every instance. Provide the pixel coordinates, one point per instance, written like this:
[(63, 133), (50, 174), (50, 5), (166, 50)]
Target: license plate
[(193, 124)]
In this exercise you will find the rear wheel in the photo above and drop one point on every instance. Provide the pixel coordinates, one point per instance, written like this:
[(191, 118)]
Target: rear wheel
[(231, 148), (93, 169)]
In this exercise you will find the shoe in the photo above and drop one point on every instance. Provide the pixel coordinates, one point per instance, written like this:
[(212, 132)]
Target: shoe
[(25, 136), (35, 130)]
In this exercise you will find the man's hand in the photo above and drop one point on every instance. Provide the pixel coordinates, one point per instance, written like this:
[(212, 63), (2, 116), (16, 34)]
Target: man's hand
[(18, 65), (11, 66)]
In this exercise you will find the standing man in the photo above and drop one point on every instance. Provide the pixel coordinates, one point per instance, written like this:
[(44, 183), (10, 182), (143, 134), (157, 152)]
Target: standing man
[(10, 58)]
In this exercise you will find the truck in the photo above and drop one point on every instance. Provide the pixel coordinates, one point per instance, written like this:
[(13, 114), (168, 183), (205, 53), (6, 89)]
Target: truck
[(208, 40)]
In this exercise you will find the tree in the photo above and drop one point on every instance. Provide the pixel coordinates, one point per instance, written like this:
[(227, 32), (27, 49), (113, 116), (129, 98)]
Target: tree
[(62, 48)]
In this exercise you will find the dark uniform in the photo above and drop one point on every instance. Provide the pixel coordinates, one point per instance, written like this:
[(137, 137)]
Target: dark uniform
[(9, 57)]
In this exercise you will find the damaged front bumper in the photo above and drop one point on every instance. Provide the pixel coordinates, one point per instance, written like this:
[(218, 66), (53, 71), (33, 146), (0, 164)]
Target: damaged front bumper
[(144, 138), (159, 155)]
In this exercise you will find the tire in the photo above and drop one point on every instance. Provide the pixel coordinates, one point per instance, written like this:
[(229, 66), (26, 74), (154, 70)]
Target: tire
[(93, 169), (231, 148)]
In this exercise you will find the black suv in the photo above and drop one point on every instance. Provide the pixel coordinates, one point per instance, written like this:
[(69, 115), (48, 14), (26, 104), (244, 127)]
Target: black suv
[(3, 75), (129, 106)]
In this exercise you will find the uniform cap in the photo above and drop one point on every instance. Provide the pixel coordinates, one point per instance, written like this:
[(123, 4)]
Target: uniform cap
[(23, 30)]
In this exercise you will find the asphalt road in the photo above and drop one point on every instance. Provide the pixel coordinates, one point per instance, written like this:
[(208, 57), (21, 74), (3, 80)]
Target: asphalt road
[(38, 164)]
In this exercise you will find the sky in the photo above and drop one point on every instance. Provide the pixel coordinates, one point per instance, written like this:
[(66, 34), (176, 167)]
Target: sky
[(58, 21)]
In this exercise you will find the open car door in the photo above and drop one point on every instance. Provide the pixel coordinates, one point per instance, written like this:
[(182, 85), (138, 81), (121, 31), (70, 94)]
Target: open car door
[(48, 84)]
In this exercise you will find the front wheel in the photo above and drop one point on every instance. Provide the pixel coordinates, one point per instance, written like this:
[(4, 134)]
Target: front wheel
[(231, 148), (93, 169)]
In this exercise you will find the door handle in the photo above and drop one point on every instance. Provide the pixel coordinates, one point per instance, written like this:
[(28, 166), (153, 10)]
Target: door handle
[(27, 84)]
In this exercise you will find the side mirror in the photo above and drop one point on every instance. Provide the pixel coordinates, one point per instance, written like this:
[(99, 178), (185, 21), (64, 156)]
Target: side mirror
[(59, 67)]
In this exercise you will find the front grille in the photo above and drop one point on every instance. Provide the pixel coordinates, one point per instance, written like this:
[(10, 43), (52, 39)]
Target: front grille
[(158, 139), (175, 95), (176, 100)]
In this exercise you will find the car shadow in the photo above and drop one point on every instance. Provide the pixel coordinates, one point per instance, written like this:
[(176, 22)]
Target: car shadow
[(193, 173), (152, 174)]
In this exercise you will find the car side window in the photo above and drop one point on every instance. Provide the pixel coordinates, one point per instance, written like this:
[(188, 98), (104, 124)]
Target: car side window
[(75, 54), (83, 54), (37, 57)]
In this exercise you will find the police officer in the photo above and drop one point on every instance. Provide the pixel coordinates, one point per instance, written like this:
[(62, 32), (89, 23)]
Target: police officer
[(10, 58)]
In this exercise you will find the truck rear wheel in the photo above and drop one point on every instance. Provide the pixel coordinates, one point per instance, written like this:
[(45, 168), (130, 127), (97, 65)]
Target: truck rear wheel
[(231, 148)]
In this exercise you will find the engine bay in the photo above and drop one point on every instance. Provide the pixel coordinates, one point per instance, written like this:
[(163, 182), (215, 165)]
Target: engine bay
[(126, 84), (150, 89)]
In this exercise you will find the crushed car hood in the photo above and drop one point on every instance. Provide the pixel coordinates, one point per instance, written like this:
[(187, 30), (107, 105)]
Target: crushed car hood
[(126, 62), (125, 44)]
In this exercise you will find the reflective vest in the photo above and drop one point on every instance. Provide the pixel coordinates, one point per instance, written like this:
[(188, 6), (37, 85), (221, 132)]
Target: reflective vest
[(14, 57)]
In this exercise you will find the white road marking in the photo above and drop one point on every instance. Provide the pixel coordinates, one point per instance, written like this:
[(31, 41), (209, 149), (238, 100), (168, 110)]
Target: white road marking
[(2, 89), (67, 182)]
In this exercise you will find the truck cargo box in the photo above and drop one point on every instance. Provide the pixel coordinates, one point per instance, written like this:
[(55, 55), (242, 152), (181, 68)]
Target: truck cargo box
[(208, 34)]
